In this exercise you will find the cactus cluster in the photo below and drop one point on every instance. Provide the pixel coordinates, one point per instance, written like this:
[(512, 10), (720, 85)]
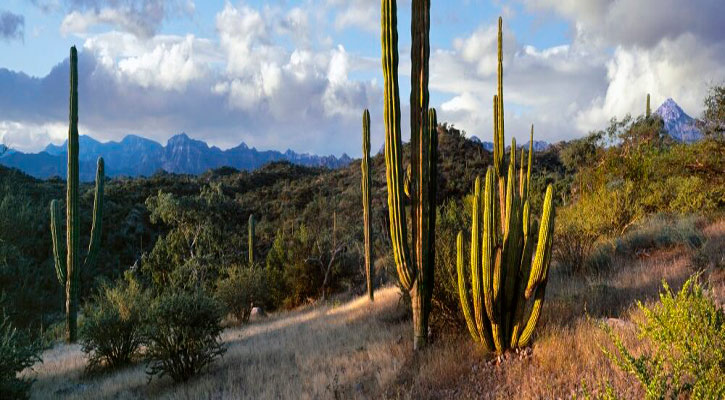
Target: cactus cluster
[(250, 233), (503, 276), (366, 200), (415, 268), (68, 269)]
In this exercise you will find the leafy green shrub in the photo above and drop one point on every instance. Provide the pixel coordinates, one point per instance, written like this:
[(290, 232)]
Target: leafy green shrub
[(182, 334), (685, 346), (17, 352), (111, 330), (242, 288)]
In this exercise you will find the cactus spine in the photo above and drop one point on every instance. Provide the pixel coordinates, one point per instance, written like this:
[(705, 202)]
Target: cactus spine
[(415, 268), (68, 269), (366, 183), (250, 234), (649, 110), (503, 275)]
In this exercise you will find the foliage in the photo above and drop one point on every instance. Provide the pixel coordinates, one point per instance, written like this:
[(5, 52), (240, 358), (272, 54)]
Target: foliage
[(713, 118), (241, 289), (17, 352), (685, 353), (182, 334), (111, 330)]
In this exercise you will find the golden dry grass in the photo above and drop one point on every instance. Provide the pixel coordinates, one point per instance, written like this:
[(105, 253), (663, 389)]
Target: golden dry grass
[(349, 351), (363, 350)]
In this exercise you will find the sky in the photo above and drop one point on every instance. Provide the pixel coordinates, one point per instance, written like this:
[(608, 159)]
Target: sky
[(297, 74)]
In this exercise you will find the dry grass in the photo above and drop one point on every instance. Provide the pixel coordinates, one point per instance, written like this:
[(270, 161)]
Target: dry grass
[(349, 351), (362, 350)]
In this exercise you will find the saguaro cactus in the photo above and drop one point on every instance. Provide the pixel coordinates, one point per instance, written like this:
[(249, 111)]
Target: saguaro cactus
[(503, 276), (648, 112), (415, 269), (68, 269), (366, 183), (250, 233)]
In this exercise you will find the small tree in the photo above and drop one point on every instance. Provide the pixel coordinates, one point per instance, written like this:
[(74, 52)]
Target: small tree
[(17, 352)]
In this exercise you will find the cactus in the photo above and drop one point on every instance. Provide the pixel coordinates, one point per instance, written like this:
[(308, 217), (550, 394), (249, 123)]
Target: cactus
[(503, 276), (415, 268), (68, 269), (648, 110), (250, 233), (366, 183)]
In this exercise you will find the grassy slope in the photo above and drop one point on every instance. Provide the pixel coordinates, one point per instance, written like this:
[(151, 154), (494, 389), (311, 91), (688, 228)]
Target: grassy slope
[(359, 350)]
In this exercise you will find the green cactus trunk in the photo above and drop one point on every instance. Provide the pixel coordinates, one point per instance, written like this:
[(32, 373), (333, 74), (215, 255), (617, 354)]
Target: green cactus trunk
[(250, 234), (415, 269), (504, 277), (648, 110), (366, 183), (68, 269)]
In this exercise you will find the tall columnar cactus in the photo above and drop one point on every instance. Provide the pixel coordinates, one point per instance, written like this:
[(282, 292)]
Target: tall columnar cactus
[(648, 112), (366, 183), (415, 268), (68, 269), (503, 276), (250, 234)]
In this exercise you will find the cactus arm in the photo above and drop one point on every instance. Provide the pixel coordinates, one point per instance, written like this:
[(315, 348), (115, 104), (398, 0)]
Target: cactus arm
[(647, 111), (393, 144), (476, 278), (366, 183), (528, 331), (489, 243), (530, 162), (543, 248), (250, 239), (97, 225), (462, 291), (56, 224)]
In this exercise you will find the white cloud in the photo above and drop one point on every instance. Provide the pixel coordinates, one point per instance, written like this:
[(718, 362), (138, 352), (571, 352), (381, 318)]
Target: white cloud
[(362, 14), (25, 136)]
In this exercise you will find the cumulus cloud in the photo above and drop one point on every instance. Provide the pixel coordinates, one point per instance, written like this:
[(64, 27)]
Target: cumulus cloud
[(12, 26), (139, 17), (362, 14), (657, 46), (541, 86)]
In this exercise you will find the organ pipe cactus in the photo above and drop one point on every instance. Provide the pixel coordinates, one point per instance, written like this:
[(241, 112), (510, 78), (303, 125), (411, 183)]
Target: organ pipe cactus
[(366, 183), (414, 262), (250, 228), (68, 269), (504, 278)]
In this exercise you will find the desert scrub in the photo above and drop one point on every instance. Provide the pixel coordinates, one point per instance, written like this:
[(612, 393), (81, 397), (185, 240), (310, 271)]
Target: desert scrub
[(182, 334), (17, 352), (240, 289), (684, 336), (660, 231), (111, 330)]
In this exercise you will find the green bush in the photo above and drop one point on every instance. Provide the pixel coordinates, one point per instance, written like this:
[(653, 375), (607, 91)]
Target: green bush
[(684, 353), (660, 231), (241, 289), (110, 334), (17, 352), (182, 334)]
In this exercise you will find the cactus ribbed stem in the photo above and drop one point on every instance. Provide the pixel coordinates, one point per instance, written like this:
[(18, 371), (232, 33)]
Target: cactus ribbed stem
[(648, 110), (250, 239), (415, 268), (367, 203), (507, 271), (68, 269)]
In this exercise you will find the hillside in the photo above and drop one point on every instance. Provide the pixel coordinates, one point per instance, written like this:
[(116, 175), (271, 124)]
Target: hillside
[(354, 349)]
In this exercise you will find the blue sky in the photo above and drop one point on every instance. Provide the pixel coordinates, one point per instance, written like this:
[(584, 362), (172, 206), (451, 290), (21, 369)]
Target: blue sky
[(297, 74)]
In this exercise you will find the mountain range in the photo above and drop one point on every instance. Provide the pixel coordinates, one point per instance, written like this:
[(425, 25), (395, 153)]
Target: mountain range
[(137, 156)]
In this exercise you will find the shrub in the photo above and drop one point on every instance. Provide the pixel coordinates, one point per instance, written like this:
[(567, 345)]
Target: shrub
[(111, 330), (182, 334), (242, 288), (17, 352), (685, 346), (661, 231)]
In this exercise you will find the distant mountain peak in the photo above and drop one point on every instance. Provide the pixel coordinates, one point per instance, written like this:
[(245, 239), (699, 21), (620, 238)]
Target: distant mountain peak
[(678, 124)]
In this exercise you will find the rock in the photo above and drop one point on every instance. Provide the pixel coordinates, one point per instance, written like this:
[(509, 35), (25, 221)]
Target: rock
[(258, 312)]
